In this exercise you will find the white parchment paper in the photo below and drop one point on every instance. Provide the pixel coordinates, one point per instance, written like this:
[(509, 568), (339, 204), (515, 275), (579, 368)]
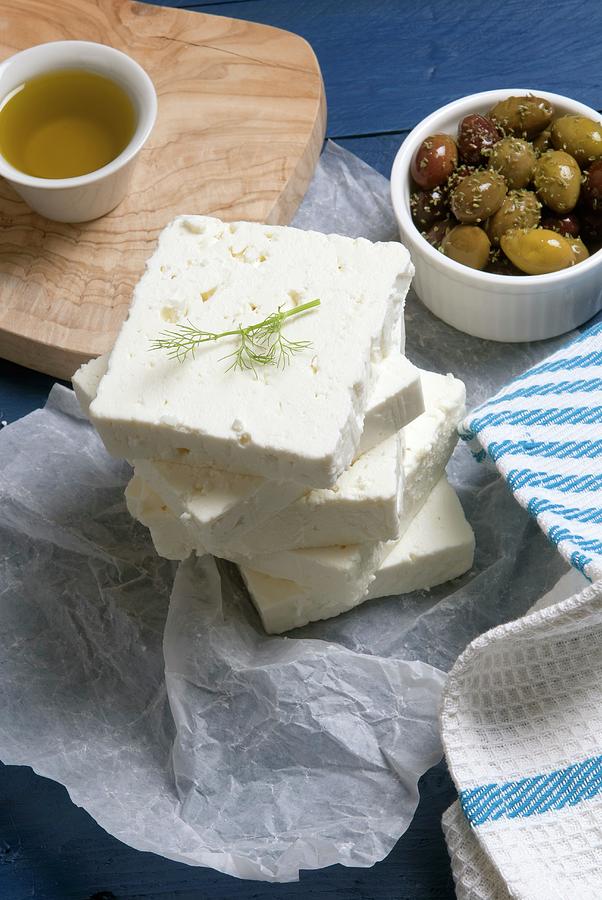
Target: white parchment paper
[(163, 707)]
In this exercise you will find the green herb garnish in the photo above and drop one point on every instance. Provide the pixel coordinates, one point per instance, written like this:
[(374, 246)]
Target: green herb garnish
[(262, 344)]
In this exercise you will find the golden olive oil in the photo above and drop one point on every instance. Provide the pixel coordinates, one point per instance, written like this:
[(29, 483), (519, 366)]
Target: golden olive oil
[(65, 123)]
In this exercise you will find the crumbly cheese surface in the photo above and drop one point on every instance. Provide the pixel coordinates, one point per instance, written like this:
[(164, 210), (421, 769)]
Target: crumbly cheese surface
[(430, 439), (302, 423), (169, 534), (225, 505), (438, 546), (364, 505), (361, 506)]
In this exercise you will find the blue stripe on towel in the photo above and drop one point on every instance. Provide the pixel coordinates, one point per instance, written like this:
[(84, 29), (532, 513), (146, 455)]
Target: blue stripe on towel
[(535, 795), (546, 449)]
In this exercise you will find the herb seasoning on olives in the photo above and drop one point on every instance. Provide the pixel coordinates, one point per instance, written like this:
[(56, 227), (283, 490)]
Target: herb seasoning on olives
[(518, 192)]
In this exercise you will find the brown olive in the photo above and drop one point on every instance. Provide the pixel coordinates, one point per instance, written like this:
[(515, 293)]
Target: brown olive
[(567, 225), (591, 188), (580, 251), (434, 161), (478, 196), (579, 136), (428, 207), (537, 251), (542, 142), (437, 232), (591, 227), (476, 135), (468, 245), (557, 180), (514, 159), (520, 209), (522, 116)]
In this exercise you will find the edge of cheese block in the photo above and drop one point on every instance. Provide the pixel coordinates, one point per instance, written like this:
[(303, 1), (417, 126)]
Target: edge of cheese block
[(318, 402), (429, 553)]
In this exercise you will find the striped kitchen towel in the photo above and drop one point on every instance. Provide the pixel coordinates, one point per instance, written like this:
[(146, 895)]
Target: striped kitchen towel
[(543, 431), (521, 718)]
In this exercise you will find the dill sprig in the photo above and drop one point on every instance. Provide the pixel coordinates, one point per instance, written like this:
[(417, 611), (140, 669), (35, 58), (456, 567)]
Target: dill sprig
[(261, 344)]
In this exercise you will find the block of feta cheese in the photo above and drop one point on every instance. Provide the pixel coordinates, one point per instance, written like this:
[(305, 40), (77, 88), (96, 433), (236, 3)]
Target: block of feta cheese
[(364, 505), (438, 546), (300, 423), (430, 439), (360, 508), (226, 505)]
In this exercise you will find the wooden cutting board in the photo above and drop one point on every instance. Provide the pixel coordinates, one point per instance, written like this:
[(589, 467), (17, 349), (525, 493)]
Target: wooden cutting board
[(240, 127)]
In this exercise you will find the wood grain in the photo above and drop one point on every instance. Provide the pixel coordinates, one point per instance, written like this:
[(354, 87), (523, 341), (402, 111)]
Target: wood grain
[(240, 127)]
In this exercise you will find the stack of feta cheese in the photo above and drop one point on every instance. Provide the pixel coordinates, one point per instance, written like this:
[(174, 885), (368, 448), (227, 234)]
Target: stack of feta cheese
[(323, 479)]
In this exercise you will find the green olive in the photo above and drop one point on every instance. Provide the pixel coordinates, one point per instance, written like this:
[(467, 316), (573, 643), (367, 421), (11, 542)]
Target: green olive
[(468, 245), (537, 251), (478, 196), (580, 251), (542, 142), (522, 116), (579, 136), (557, 180), (515, 160), (520, 209)]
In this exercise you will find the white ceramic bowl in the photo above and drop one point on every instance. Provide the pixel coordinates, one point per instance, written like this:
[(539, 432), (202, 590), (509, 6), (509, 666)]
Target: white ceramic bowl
[(96, 193), (497, 307)]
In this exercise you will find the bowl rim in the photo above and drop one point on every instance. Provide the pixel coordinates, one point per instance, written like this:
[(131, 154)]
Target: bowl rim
[(400, 174)]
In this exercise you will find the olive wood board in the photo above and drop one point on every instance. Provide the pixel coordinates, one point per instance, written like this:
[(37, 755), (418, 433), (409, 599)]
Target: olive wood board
[(241, 122)]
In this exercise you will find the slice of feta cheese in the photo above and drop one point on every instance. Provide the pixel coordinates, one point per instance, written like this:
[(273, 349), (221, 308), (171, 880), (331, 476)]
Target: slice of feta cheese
[(86, 380), (361, 506), (299, 423), (343, 574), (224, 506), (438, 546), (169, 534), (364, 505), (430, 439), (219, 505)]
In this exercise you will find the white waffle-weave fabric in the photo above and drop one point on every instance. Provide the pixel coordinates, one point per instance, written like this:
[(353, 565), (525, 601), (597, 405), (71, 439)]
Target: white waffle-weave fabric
[(543, 431), (522, 712)]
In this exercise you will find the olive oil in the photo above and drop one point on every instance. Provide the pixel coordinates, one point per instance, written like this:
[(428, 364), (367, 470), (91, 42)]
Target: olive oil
[(65, 123)]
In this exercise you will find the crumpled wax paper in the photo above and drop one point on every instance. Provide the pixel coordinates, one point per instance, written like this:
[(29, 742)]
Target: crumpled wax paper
[(168, 714)]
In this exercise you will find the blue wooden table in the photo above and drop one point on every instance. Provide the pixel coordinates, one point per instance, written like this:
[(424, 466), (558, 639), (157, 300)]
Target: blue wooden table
[(386, 64)]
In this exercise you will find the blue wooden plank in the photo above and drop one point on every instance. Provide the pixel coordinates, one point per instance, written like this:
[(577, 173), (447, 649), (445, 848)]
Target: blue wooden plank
[(388, 63)]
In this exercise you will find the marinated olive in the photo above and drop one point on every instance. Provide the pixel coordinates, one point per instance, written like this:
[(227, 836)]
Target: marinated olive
[(520, 209), (542, 142), (514, 159), (579, 136), (557, 179), (591, 188), (476, 134), (437, 232), (522, 116), (567, 225), (580, 251), (468, 245), (537, 251), (428, 207), (478, 196), (434, 161)]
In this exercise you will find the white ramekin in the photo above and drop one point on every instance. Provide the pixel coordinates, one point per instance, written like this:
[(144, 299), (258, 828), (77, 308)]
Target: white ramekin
[(497, 307), (95, 194)]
